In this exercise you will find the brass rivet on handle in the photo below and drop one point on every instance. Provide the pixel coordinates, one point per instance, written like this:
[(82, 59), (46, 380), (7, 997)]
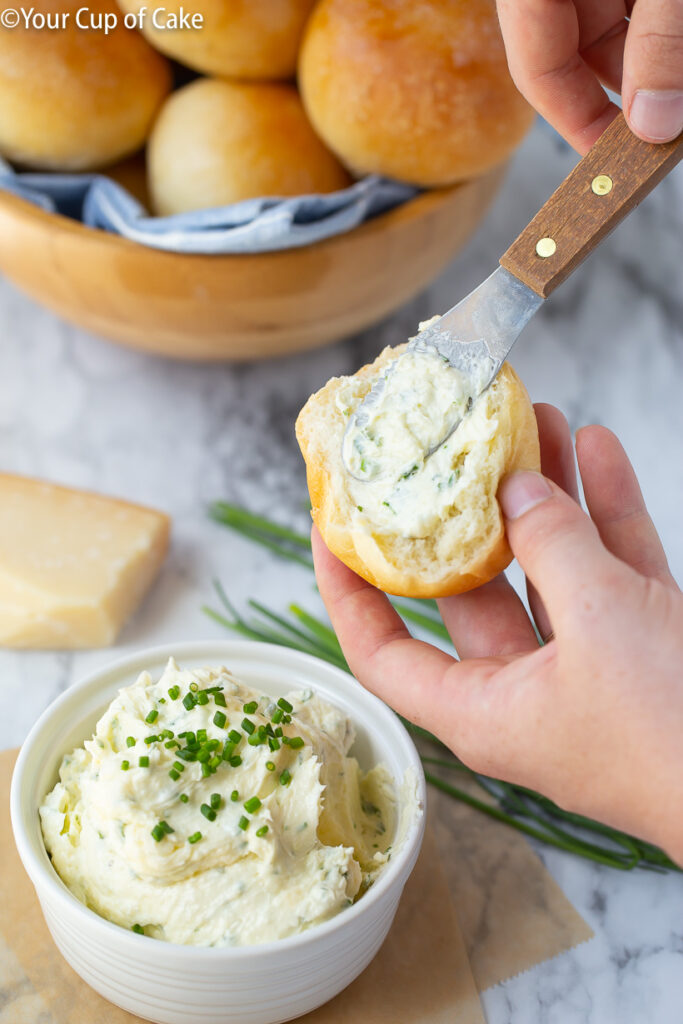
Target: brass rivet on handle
[(601, 184), (545, 247)]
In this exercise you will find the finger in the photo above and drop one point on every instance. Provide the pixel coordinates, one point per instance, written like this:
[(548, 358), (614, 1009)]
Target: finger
[(557, 463), (602, 35), (556, 544), (653, 70), (415, 678), (489, 621), (616, 504), (542, 41)]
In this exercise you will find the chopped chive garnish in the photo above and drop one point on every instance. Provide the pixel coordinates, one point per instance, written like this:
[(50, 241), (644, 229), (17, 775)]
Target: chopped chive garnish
[(255, 740), (285, 777), (144, 761), (252, 804), (228, 751), (261, 831), (138, 929), (285, 740), (166, 827), (250, 707), (270, 766), (208, 812), (206, 771), (184, 798), (278, 732), (215, 801), (152, 716), (170, 744), (234, 796), (190, 738), (167, 734), (194, 838), (286, 719), (243, 823), (152, 739), (178, 766), (248, 726), (202, 697), (219, 699), (214, 762), (173, 774), (213, 744), (296, 742), (236, 761), (204, 755), (174, 692), (273, 743), (188, 701), (201, 735), (162, 700), (125, 765), (187, 755), (212, 689), (194, 686), (285, 705), (158, 833), (130, 741), (220, 719), (277, 715), (234, 736)]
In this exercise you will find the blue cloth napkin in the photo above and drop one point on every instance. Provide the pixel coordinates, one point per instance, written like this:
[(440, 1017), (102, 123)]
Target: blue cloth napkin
[(250, 226)]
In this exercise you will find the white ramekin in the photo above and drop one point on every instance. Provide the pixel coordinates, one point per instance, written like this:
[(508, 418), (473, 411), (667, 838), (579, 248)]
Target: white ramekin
[(173, 984)]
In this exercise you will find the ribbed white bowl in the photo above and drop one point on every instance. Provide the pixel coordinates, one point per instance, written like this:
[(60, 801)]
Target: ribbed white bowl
[(173, 984)]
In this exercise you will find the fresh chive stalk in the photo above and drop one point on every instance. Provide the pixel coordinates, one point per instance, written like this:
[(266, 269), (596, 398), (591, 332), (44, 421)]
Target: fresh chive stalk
[(515, 806)]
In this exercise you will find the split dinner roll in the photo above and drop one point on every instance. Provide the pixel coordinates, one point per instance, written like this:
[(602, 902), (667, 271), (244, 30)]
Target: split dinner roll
[(237, 39), (432, 527), (416, 91), (216, 142), (75, 98)]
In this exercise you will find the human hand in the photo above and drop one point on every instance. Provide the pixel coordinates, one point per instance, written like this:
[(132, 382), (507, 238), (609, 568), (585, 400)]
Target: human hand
[(560, 51), (593, 719)]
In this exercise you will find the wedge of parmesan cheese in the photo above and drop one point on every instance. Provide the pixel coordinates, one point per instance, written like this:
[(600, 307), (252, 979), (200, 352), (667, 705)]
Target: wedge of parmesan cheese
[(73, 565)]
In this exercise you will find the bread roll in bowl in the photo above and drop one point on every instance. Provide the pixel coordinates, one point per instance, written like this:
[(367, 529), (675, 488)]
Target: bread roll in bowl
[(237, 38), (77, 98), (217, 142), (415, 91), (455, 538)]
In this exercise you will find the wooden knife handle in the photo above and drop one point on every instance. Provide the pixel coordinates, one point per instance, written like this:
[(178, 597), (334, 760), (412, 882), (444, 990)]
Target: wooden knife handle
[(612, 178)]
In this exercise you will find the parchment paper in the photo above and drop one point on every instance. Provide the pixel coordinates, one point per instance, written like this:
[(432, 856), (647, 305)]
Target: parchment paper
[(420, 976), (512, 914)]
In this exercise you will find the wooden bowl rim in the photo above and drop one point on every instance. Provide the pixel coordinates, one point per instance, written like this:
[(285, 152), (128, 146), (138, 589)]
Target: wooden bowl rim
[(25, 211)]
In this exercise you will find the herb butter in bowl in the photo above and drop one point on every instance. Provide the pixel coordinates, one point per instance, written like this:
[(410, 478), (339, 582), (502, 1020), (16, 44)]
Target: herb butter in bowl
[(252, 813)]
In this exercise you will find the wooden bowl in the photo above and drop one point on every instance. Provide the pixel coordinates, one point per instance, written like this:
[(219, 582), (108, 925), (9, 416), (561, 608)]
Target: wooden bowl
[(237, 307)]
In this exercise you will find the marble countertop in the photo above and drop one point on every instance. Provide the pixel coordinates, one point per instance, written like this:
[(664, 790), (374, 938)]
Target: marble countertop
[(607, 348)]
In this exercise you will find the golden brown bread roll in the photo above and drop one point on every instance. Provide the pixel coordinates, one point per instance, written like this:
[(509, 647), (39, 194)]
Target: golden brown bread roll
[(238, 38), (217, 142), (75, 98), (416, 91), (433, 528)]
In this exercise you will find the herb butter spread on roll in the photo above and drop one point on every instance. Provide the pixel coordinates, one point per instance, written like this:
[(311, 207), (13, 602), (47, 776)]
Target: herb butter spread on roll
[(415, 517), (202, 812)]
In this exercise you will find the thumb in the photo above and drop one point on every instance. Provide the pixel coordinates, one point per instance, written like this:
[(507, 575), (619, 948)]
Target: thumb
[(554, 541), (652, 87)]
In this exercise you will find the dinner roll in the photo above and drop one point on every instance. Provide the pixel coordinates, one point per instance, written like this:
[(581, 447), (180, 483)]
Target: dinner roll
[(419, 92), (237, 38), (216, 142), (74, 98), (434, 528)]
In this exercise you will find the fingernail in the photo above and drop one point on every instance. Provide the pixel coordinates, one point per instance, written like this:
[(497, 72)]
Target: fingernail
[(657, 113), (521, 492)]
